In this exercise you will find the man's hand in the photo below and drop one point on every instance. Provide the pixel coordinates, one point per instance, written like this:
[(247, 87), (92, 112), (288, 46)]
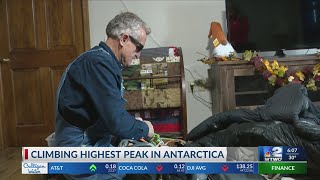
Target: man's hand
[(151, 130)]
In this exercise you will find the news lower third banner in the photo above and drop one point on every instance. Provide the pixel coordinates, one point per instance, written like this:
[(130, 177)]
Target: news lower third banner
[(164, 160)]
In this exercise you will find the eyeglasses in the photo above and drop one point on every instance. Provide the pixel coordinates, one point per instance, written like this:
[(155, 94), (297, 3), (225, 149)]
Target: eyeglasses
[(138, 45)]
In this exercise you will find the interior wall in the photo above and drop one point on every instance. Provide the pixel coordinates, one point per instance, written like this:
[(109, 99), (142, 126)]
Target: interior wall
[(181, 23)]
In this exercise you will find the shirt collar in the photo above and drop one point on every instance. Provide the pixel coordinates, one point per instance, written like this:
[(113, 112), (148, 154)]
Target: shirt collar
[(108, 49)]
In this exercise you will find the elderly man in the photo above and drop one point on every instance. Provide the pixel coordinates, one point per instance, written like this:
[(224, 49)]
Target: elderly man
[(90, 105)]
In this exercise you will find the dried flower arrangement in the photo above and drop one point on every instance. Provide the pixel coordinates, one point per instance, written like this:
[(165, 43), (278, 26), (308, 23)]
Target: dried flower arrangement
[(278, 75), (275, 74)]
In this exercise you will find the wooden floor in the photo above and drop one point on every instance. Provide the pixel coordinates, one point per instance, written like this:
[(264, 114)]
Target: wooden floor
[(10, 165)]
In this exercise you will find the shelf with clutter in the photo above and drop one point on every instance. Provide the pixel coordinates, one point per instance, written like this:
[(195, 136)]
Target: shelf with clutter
[(155, 90)]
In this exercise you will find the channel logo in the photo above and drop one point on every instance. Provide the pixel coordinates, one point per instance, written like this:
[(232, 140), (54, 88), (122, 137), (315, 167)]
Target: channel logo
[(272, 153)]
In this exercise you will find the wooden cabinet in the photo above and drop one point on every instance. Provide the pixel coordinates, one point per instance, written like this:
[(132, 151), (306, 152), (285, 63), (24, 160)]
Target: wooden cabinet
[(155, 90), (235, 84)]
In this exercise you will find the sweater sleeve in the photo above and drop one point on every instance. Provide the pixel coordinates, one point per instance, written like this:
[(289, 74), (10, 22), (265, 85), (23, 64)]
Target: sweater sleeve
[(102, 82)]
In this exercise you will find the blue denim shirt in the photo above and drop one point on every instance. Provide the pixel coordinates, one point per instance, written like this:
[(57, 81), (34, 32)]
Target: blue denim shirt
[(90, 105)]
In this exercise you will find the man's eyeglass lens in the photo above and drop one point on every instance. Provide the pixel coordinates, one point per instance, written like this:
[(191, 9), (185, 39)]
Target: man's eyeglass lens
[(138, 45)]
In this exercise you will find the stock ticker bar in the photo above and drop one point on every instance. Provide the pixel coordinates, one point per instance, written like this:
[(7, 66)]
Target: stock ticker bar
[(152, 168), (209, 160)]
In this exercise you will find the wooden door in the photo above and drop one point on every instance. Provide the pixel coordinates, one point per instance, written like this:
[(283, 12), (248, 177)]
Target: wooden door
[(38, 39)]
